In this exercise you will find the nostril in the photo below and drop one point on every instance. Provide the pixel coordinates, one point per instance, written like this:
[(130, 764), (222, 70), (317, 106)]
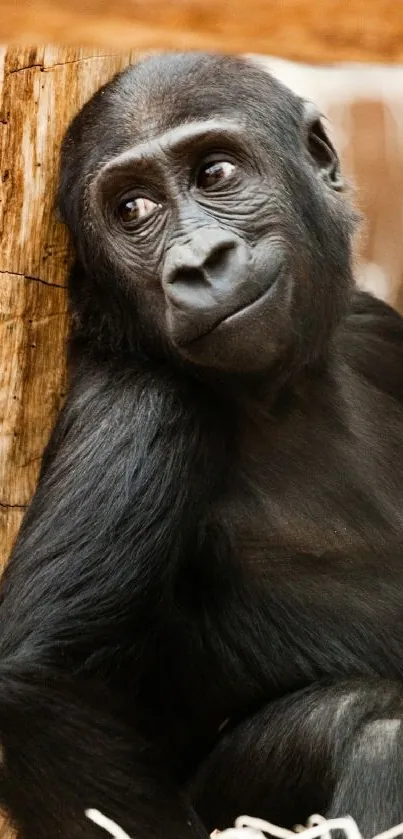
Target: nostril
[(218, 259), (188, 276)]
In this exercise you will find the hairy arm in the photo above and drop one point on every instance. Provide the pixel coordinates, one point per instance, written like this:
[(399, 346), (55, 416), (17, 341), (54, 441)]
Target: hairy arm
[(112, 512), (371, 341), (91, 570)]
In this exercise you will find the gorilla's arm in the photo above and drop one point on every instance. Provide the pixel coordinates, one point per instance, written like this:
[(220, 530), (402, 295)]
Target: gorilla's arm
[(111, 517), (332, 748), (370, 341)]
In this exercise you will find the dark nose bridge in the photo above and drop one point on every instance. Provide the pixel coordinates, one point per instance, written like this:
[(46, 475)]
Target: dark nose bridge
[(198, 252)]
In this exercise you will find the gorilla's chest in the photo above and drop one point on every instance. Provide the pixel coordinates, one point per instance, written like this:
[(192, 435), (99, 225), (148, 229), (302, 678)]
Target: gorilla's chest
[(315, 487)]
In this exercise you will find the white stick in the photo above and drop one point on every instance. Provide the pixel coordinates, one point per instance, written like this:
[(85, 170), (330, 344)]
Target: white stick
[(247, 827), (107, 824), (346, 824), (392, 832), (263, 826)]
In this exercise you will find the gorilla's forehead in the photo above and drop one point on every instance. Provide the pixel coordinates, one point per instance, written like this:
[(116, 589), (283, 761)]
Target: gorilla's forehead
[(160, 93), (174, 89)]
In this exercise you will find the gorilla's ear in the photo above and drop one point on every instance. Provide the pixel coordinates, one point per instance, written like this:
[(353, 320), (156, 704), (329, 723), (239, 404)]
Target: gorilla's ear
[(321, 150)]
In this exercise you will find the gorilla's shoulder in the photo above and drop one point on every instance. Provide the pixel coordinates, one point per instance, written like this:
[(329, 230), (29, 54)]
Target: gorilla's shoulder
[(370, 340)]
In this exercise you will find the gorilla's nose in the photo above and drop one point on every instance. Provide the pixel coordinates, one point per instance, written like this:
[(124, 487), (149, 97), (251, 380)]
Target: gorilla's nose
[(199, 273)]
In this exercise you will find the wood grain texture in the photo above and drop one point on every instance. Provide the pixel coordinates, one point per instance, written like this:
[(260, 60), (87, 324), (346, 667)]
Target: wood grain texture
[(40, 90), (329, 30)]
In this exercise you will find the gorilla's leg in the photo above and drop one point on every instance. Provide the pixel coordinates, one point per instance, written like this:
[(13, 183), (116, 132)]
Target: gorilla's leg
[(66, 750), (335, 750)]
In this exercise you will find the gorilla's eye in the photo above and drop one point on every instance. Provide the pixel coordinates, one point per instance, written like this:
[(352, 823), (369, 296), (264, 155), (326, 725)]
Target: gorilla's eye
[(212, 173), (133, 209)]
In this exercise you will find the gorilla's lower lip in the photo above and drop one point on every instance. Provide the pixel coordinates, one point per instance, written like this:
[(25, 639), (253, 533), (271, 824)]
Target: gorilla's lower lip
[(248, 307)]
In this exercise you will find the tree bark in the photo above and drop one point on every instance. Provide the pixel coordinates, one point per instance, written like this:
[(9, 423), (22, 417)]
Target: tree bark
[(40, 90)]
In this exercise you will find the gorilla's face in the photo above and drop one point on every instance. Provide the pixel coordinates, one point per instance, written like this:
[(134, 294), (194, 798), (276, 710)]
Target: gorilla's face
[(216, 208)]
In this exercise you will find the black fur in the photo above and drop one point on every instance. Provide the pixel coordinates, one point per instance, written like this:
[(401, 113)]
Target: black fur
[(203, 613)]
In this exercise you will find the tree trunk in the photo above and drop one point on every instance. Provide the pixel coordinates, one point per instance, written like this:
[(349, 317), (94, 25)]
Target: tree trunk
[(303, 30), (40, 90)]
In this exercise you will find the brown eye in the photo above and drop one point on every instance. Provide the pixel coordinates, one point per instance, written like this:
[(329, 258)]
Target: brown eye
[(213, 173), (134, 209)]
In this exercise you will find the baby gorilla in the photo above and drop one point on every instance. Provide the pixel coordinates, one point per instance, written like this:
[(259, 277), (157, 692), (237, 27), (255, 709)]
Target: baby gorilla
[(203, 613)]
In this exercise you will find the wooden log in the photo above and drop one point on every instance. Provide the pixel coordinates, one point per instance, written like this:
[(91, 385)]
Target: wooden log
[(329, 30), (40, 90)]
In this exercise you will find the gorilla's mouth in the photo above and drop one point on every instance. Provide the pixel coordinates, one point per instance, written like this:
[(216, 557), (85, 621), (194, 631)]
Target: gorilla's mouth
[(238, 313)]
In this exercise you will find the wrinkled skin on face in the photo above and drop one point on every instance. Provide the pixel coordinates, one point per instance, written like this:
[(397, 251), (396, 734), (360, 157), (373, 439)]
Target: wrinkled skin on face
[(204, 202)]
